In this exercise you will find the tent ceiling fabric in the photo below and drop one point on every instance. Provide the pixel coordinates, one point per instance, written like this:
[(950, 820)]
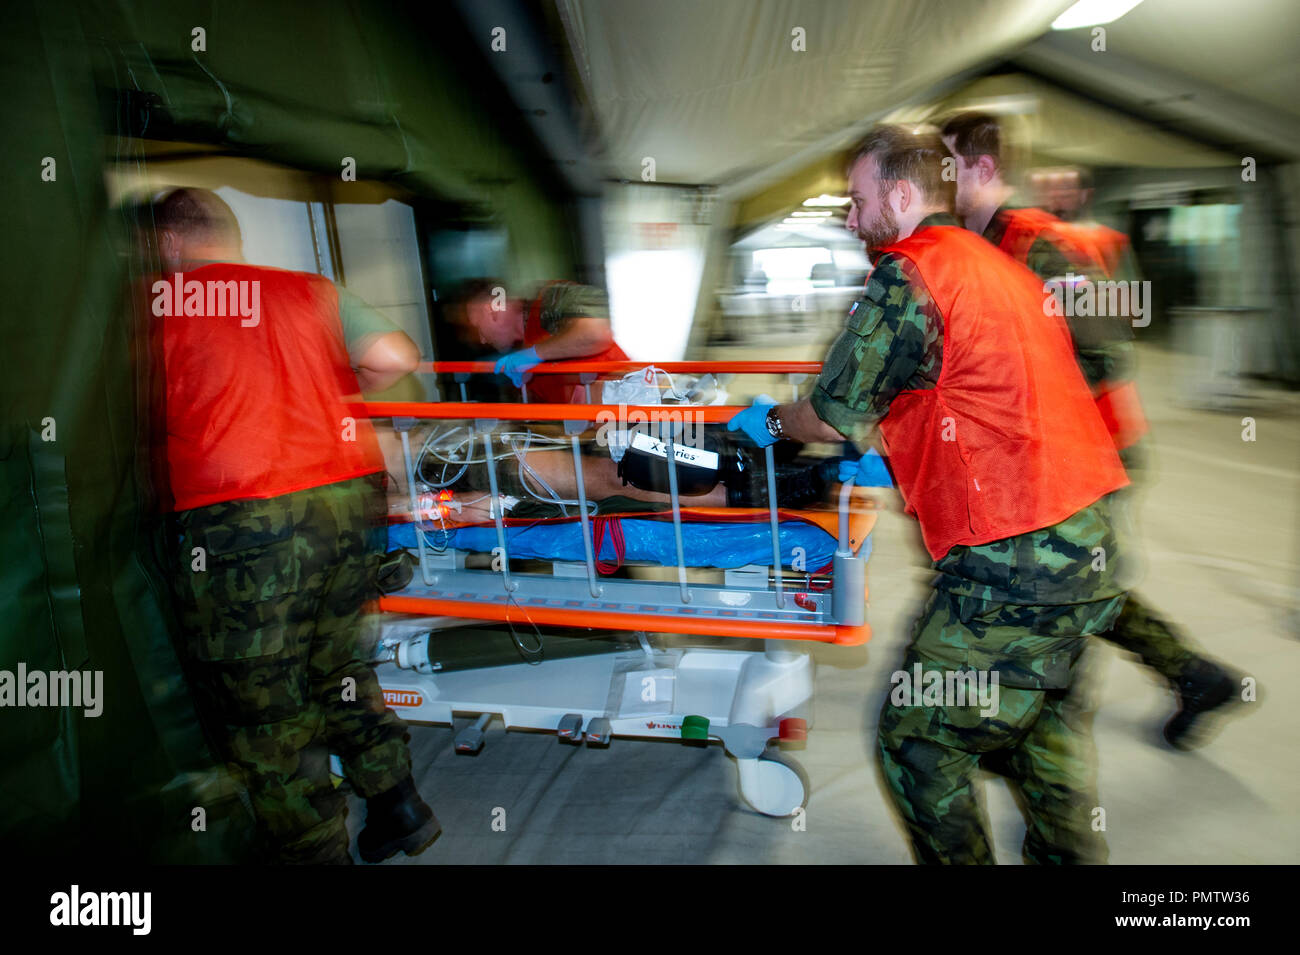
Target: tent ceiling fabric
[(1226, 73), (714, 93), (1064, 128), (1247, 47), (714, 90)]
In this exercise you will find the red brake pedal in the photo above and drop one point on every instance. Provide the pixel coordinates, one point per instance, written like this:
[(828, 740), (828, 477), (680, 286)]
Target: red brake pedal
[(792, 728)]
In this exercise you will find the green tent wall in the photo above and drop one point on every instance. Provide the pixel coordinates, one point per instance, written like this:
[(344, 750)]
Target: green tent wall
[(80, 552)]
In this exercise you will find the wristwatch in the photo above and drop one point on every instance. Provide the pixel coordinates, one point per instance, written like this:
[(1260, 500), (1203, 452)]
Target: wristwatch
[(774, 423)]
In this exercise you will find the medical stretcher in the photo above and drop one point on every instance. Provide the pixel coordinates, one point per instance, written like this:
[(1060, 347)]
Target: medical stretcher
[(744, 698)]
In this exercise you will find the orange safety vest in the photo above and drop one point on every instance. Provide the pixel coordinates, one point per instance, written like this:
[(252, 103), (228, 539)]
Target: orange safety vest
[(256, 406), (1107, 245), (559, 389), (1009, 440), (1086, 248), (1027, 226)]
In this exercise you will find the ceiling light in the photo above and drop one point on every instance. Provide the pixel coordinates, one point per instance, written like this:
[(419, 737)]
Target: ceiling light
[(827, 200), (1090, 13)]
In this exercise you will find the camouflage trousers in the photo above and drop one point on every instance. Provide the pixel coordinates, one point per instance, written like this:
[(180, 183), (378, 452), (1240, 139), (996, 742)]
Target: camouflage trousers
[(1139, 630), (1037, 733), (273, 633)]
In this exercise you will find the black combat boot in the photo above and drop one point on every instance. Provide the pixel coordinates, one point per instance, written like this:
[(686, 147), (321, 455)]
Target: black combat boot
[(397, 820), (798, 483), (1202, 687)]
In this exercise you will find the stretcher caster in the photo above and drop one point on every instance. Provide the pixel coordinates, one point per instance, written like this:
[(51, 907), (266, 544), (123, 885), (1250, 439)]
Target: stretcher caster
[(599, 731), (570, 728), (771, 786), (471, 738)]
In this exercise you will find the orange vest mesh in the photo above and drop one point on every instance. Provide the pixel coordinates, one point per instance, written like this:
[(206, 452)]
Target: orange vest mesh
[(256, 412)]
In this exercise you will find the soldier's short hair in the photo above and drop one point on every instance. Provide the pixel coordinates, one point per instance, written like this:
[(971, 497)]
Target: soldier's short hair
[(471, 290), (196, 213), (914, 153), (976, 134)]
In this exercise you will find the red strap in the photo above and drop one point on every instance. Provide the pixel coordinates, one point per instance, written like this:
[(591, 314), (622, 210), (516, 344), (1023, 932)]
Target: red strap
[(615, 528)]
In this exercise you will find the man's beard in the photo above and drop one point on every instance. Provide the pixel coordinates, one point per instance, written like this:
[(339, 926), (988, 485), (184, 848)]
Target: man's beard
[(883, 232)]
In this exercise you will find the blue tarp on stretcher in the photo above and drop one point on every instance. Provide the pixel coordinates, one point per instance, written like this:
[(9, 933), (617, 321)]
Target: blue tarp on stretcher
[(722, 544)]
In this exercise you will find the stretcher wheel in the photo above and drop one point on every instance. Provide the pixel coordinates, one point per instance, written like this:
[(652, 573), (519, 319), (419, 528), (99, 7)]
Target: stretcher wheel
[(771, 786)]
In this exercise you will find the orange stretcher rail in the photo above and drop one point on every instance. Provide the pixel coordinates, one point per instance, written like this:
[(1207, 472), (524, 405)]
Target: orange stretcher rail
[(623, 367), (519, 411), (654, 623)]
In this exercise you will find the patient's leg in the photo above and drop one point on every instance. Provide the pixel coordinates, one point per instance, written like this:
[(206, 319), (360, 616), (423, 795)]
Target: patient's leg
[(798, 488), (600, 475), (601, 478)]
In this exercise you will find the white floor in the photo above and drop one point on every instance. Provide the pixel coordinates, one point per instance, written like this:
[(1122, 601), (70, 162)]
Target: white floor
[(1222, 532)]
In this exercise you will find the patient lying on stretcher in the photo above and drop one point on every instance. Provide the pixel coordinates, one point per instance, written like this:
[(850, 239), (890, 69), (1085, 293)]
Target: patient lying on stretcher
[(541, 481)]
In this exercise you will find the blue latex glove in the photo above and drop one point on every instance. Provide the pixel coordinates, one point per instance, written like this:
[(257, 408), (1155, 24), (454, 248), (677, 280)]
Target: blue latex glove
[(517, 363), (753, 421), (869, 471)]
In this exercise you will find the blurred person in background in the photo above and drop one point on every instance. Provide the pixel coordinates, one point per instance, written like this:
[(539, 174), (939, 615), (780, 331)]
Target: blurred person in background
[(1074, 192), (569, 321), (563, 321), (277, 493), (1051, 249), (1103, 347), (1048, 187), (977, 400)]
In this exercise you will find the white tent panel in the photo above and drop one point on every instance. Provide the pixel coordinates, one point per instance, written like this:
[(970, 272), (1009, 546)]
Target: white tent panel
[(710, 90)]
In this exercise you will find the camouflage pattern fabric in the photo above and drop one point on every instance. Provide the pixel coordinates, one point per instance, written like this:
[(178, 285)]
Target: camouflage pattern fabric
[(1146, 635), (562, 301), (1039, 737), (274, 627), (892, 342), (1079, 559), (1029, 647)]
